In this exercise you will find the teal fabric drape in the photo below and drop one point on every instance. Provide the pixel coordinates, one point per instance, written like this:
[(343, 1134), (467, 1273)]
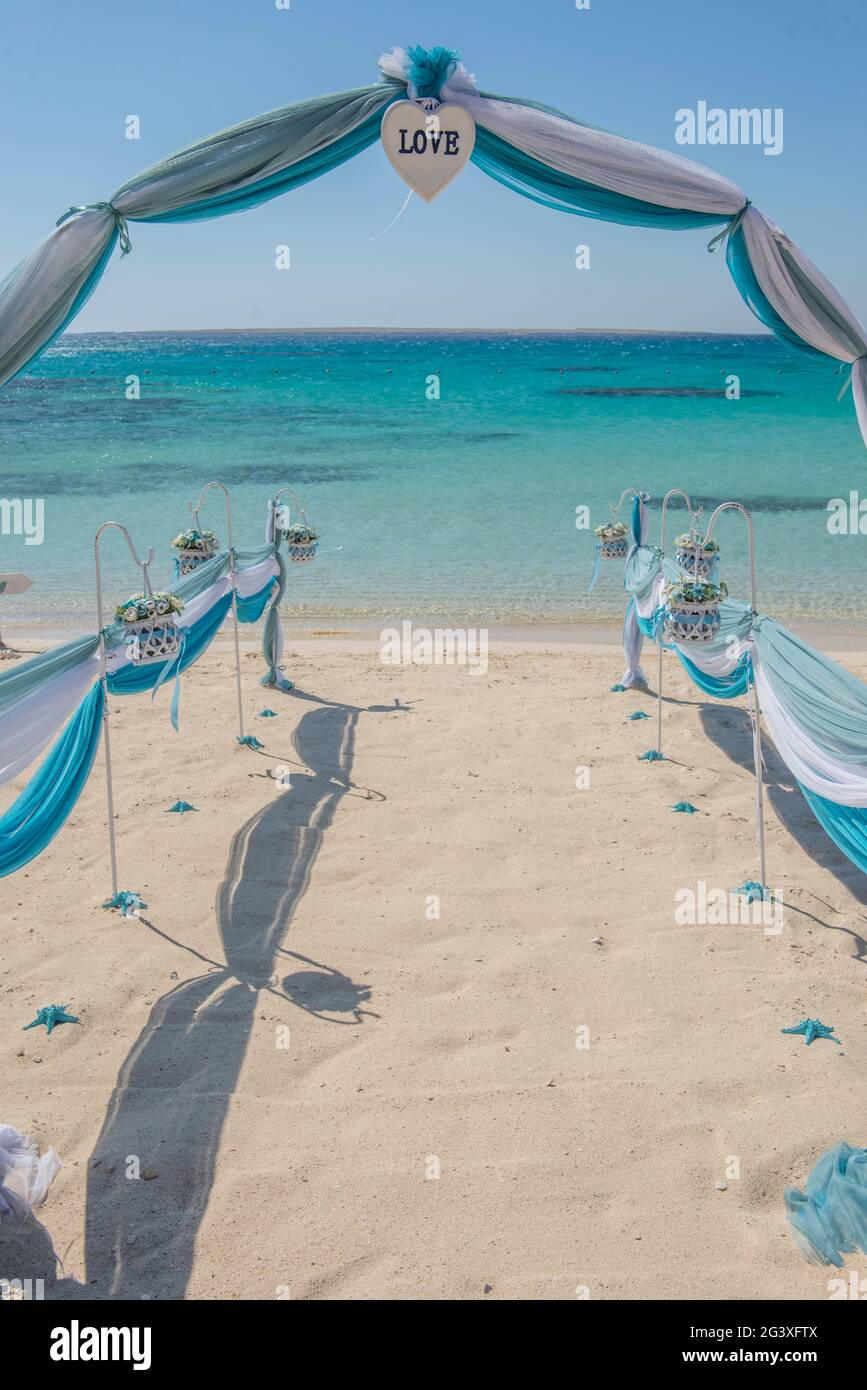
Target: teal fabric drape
[(44, 806), (720, 687), (251, 608), (285, 181), (846, 825)]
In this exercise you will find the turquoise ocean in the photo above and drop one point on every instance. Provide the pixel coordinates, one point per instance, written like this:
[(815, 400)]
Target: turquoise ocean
[(461, 507)]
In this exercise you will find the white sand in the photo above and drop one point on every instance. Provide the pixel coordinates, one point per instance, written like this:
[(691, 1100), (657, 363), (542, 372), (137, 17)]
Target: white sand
[(302, 1170)]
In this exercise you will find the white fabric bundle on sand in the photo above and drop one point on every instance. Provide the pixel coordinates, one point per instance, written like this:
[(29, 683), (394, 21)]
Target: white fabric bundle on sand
[(25, 1177)]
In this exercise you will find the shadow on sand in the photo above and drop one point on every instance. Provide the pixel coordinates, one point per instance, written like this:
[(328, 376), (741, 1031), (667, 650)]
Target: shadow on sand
[(141, 1234)]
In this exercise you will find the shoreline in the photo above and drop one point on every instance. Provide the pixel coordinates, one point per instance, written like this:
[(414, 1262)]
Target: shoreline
[(337, 633)]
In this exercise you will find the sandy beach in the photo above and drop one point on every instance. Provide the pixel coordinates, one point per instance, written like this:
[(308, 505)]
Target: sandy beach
[(341, 1053)]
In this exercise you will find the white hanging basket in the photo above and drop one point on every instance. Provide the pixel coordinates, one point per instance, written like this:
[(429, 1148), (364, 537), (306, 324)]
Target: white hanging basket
[(150, 630), (614, 547), (302, 554), (189, 560), (696, 559), (193, 547), (691, 622), (153, 639), (302, 543)]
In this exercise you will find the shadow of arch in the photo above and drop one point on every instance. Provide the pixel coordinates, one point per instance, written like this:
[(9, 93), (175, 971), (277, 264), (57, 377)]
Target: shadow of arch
[(729, 728), (141, 1232)]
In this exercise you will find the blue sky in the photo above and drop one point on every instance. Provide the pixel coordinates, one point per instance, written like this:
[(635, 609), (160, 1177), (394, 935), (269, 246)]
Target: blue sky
[(479, 256)]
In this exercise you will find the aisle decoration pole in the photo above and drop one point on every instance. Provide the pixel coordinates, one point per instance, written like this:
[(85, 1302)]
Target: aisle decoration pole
[(233, 580), (103, 661), (672, 492), (752, 693)]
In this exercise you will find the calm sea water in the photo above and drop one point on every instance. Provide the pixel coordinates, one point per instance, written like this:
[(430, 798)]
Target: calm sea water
[(460, 507)]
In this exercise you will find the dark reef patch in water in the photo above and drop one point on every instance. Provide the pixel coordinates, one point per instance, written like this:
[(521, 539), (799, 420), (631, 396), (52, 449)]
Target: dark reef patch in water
[(714, 391)]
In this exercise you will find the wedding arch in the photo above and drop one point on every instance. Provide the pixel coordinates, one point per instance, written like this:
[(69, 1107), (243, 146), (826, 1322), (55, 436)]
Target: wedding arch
[(532, 148)]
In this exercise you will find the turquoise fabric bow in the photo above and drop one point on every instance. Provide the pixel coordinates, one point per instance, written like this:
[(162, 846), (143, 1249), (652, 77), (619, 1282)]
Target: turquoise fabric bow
[(431, 69), (119, 221)]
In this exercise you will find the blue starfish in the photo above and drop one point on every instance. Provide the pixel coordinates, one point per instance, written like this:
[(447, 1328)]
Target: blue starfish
[(813, 1029), (686, 806), (651, 756), (126, 901), (181, 806), (617, 688), (751, 890), (250, 741), (639, 714), (51, 1015), (267, 714)]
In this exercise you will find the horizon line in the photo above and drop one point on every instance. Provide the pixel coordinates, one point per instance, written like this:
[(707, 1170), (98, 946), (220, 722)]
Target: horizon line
[(589, 332)]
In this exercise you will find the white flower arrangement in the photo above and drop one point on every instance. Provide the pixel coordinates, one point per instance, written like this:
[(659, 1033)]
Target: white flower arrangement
[(146, 608), (299, 533), (612, 530), (691, 593), (194, 539), (691, 541)]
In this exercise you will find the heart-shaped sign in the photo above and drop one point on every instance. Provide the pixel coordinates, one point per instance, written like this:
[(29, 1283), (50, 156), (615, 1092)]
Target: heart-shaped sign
[(427, 148)]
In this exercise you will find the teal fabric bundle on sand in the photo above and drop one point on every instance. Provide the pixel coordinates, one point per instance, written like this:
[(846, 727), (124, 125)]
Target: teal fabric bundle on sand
[(829, 1219)]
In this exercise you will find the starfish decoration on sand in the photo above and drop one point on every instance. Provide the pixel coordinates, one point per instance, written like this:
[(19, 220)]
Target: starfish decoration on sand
[(51, 1015), (813, 1029), (250, 741), (651, 756), (752, 890), (616, 689), (181, 806), (127, 902), (638, 714), (267, 714), (685, 806)]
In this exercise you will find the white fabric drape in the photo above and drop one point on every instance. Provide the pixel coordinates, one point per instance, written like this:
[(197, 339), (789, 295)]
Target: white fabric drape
[(799, 292), (633, 642), (843, 782), (605, 160), (37, 298), (28, 726), (832, 778)]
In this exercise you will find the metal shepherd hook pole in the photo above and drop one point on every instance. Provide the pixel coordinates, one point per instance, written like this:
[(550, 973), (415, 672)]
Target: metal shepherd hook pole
[(232, 577), (755, 711), (673, 492), (103, 657)]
